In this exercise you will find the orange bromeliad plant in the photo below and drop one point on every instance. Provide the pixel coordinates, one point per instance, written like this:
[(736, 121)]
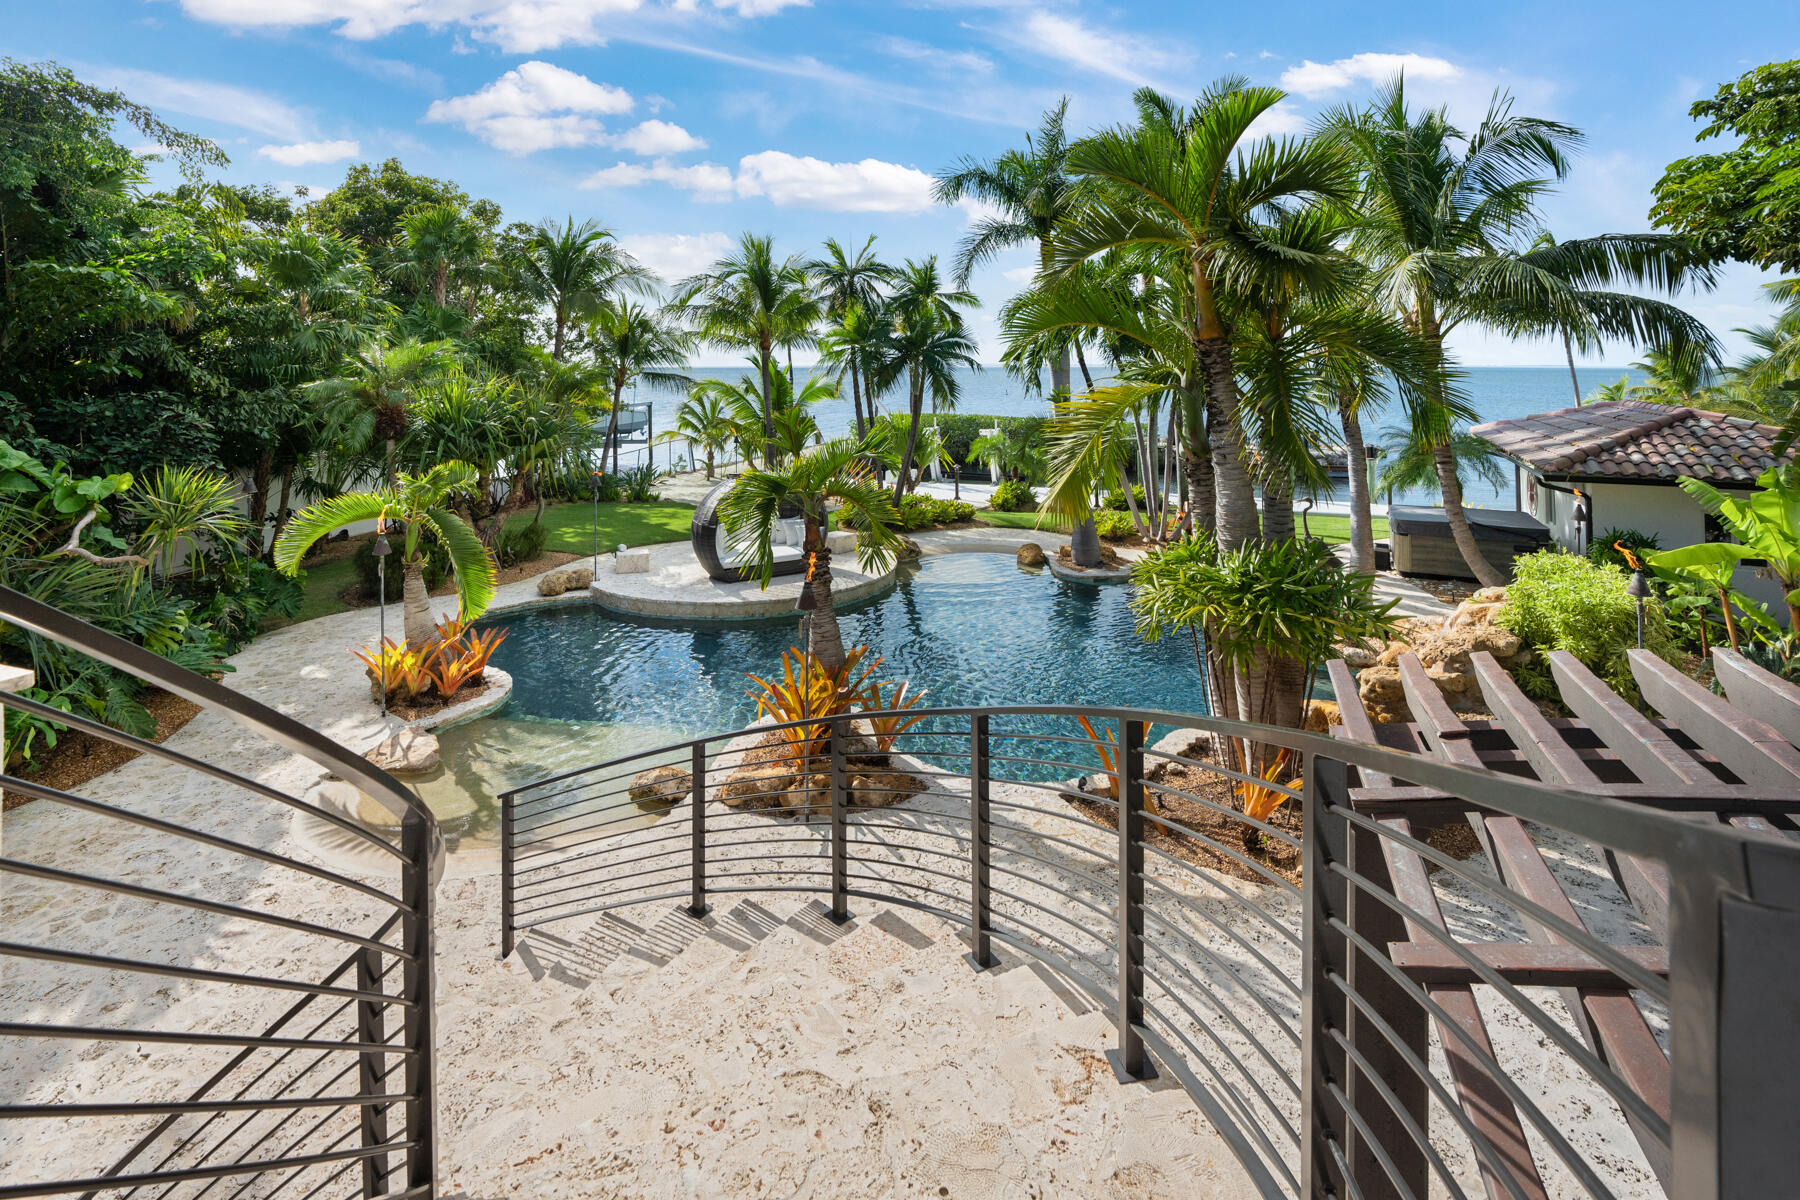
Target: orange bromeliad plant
[(449, 661), (887, 728), (1107, 748), (807, 691), (1258, 802)]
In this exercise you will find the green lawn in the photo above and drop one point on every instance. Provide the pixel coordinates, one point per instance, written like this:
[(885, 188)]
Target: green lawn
[(1332, 529), (571, 529)]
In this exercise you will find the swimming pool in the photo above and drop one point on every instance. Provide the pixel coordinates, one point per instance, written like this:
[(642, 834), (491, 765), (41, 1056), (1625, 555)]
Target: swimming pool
[(971, 629)]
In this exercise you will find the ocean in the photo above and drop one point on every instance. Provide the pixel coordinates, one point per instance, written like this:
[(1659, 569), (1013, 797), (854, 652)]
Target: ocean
[(1496, 392)]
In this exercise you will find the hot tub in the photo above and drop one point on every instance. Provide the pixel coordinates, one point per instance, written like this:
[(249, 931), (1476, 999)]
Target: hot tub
[(1423, 545)]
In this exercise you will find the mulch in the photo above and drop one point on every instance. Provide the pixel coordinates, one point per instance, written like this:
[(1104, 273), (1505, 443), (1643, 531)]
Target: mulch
[(437, 704), (79, 757)]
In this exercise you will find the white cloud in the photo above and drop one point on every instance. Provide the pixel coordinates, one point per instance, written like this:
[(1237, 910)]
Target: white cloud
[(961, 62), (302, 154), (516, 26), (676, 256), (708, 181), (1020, 275), (787, 180), (1121, 56), (656, 138), (867, 186), (1278, 120), (1313, 80), (535, 106), (222, 102)]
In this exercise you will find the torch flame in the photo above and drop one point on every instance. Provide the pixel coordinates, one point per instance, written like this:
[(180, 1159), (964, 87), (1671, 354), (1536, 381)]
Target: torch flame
[(1630, 558)]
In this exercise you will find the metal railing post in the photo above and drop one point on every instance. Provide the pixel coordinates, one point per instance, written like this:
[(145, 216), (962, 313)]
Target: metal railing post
[(840, 842), (371, 1067), (1128, 1060), (1324, 839), (981, 954), (697, 905), (507, 852), (418, 979)]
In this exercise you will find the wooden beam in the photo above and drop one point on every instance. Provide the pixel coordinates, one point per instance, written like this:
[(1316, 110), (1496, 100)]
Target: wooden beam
[(1357, 725), (1749, 748), (1527, 964), (1651, 754), (1444, 731), (1762, 694), (1543, 746)]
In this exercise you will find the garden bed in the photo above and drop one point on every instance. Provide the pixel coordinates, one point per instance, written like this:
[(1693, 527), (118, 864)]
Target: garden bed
[(79, 757)]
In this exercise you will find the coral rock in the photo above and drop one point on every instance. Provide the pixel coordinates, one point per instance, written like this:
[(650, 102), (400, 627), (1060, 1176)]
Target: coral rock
[(564, 579), (409, 752), (1031, 555), (1321, 715), (660, 787)]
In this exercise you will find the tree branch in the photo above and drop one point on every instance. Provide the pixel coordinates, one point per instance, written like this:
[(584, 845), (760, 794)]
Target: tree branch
[(73, 546)]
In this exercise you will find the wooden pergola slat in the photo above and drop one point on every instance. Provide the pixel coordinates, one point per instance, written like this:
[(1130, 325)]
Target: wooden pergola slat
[(1761, 694), (1749, 748)]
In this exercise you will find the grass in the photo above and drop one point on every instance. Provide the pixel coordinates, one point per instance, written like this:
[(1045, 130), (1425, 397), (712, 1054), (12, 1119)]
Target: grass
[(1333, 529), (571, 530)]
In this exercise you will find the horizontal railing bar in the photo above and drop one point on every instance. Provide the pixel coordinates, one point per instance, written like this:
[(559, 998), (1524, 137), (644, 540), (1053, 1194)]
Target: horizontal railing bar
[(626, 812), (1237, 815), (119, 737), (102, 1033), (678, 865), (56, 874), (1419, 1139), (1272, 877), (105, 1182), (1060, 791), (40, 792), (1060, 813), (1255, 1165), (1634, 1105), (1488, 1065), (1213, 998), (1421, 1070), (1219, 769), (274, 727), (1628, 969), (140, 967), (182, 1107), (1370, 1141), (1080, 768)]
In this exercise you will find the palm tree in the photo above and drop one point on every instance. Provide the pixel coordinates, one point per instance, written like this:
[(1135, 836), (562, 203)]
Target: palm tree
[(438, 244), (839, 472), (788, 427), (928, 344), (634, 344), (419, 503), (1178, 186), (750, 301), (701, 422), (1569, 296), (575, 269), (367, 406), (850, 286), (1439, 209), (855, 346), (1034, 194), (1672, 376)]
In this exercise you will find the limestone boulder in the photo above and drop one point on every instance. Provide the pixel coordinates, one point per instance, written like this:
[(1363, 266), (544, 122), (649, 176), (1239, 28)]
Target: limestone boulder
[(1031, 555), (660, 788), (1382, 695), (1356, 657), (905, 549), (564, 579), (1449, 650), (881, 789), (408, 752), (755, 785)]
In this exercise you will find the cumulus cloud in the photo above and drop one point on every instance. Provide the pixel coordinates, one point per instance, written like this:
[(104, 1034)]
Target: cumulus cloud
[(652, 138), (516, 26), (867, 186), (1313, 80), (708, 181), (302, 154), (676, 256), (535, 106), (1279, 120), (787, 180)]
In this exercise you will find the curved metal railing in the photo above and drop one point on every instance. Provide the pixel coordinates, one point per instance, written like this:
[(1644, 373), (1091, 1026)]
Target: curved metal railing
[(1303, 977), (194, 1004)]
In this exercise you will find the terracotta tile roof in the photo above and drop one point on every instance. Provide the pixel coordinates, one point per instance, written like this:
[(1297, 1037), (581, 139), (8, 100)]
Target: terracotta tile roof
[(1636, 439)]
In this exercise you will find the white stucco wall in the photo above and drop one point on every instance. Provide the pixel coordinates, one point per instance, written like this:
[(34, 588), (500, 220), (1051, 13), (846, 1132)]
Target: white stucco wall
[(1665, 511)]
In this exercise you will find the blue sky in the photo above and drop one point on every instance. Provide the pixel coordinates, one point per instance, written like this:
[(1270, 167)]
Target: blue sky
[(680, 123)]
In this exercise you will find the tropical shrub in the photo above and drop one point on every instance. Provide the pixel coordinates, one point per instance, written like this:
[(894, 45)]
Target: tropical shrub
[(1013, 495), (638, 483), (519, 542), (455, 656), (1605, 547), (925, 512), (437, 569), (808, 690), (1114, 526), (1558, 601), (1115, 499)]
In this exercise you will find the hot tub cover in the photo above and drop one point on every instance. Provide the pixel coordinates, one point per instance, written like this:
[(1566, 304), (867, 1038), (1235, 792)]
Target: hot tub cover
[(1488, 524)]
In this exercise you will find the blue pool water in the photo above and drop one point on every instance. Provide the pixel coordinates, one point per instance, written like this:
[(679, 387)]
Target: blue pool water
[(972, 629)]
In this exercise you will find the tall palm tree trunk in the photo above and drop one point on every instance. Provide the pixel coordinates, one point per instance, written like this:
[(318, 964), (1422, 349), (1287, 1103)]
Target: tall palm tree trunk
[(1278, 509), (827, 639), (856, 397), (915, 405), (1235, 517), (1569, 353), (281, 509), (1458, 520), (768, 407), (415, 602), (1356, 461)]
